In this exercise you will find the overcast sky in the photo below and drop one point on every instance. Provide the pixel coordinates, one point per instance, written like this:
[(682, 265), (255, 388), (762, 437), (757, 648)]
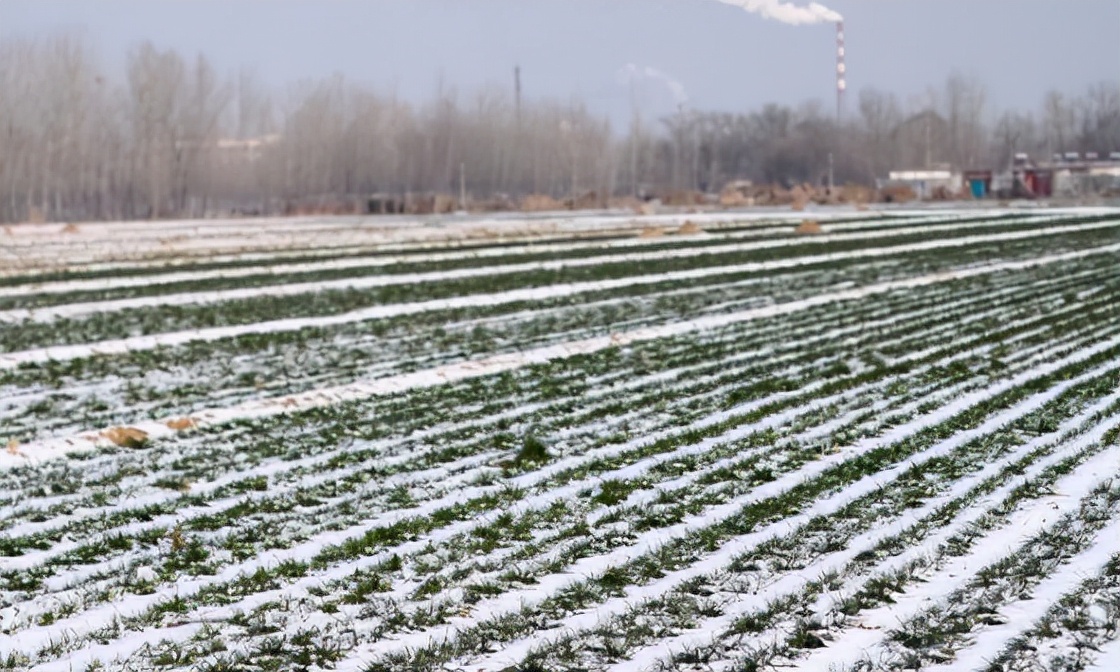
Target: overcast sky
[(725, 58)]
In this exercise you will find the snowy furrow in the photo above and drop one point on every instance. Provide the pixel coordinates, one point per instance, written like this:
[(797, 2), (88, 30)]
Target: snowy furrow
[(50, 313), (180, 588), (98, 246), (316, 249), (624, 472), (829, 605), (500, 363), (990, 641), (865, 643), (705, 632), (1107, 659), (260, 598), (904, 458), (514, 601), (11, 408), (279, 491), (806, 333), (712, 242)]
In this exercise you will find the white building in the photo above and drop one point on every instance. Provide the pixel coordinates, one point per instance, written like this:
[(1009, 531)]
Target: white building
[(924, 183)]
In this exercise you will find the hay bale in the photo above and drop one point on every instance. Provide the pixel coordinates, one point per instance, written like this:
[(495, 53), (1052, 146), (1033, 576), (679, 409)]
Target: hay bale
[(689, 228), (540, 203), (624, 203), (683, 198), (808, 228), (182, 424), (588, 201), (126, 437), (443, 204), (777, 195), (856, 193), (897, 194), (733, 199), (736, 194)]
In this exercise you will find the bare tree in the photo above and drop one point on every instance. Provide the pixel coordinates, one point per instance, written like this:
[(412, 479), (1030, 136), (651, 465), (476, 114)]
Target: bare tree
[(879, 115), (156, 84), (965, 104), (174, 138), (1099, 118), (1014, 133)]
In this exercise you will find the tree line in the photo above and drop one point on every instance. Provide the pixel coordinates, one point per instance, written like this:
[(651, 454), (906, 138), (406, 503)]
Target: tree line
[(173, 137)]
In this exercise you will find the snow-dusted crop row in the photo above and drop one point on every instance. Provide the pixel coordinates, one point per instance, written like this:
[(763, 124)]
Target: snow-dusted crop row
[(892, 446)]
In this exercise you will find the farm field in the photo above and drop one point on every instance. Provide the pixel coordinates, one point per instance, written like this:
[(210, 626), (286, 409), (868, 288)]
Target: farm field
[(691, 442)]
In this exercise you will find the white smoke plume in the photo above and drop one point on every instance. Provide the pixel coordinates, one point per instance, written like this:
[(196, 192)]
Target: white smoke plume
[(631, 72), (787, 12)]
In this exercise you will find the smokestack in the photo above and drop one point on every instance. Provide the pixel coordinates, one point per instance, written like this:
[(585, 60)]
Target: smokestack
[(841, 71)]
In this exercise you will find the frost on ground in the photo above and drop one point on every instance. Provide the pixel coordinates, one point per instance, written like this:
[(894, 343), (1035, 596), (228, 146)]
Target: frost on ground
[(556, 445)]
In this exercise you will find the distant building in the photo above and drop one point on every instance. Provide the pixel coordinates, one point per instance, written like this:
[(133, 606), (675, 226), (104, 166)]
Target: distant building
[(233, 150), (926, 184), (1067, 174), (1091, 173)]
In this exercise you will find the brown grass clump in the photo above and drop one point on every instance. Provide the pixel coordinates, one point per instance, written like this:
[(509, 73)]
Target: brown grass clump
[(182, 424), (126, 437), (808, 227), (652, 232), (178, 539), (689, 228), (13, 448)]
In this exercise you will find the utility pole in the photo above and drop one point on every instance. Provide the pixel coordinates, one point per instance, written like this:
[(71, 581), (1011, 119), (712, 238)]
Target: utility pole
[(462, 186), (517, 92), (518, 130), (635, 134), (929, 155)]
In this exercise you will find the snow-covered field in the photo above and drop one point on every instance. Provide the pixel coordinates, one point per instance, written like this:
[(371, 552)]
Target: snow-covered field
[(695, 442)]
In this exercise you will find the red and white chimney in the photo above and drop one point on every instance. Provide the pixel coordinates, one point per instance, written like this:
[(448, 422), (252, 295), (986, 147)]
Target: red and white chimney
[(841, 71)]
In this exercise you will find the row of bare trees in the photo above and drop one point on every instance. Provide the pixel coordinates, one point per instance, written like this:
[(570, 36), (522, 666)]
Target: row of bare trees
[(170, 136)]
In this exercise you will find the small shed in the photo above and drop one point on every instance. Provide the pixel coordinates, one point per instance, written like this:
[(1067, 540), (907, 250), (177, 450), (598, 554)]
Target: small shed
[(979, 183)]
